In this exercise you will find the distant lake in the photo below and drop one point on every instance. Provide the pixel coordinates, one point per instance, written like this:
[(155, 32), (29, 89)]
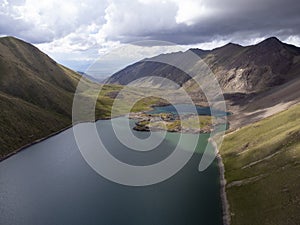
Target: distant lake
[(186, 109), (49, 183)]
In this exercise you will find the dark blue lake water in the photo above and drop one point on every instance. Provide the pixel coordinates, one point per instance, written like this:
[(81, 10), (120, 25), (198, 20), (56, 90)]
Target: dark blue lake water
[(50, 184)]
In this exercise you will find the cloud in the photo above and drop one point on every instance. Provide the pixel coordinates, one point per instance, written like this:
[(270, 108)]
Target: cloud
[(138, 19), (187, 22), (194, 21), (183, 22), (44, 21), (86, 29)]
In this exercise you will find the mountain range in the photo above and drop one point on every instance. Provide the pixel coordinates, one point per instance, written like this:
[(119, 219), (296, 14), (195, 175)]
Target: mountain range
[(238, 69), (257, 81)]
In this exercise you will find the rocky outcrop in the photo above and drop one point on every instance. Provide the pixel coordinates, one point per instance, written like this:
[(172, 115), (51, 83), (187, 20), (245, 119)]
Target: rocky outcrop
[(170, 122)]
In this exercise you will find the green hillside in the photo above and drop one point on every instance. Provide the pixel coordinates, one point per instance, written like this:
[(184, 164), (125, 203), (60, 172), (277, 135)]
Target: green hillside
[(262, 164), (36, 95), (22, 122)]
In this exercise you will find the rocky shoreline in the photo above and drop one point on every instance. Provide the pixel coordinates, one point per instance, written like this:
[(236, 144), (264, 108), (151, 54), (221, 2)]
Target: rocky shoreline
[(225, 204), (226, 217)]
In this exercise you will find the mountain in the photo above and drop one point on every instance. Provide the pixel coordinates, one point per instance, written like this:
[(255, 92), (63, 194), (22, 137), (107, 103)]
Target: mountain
[(143, 73), (254, 68), (36, 94), (238, 69), (32, 76)]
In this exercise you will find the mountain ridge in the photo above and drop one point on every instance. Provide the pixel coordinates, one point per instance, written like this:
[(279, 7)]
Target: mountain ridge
[(269, 63), (36, 94), (26, 71)]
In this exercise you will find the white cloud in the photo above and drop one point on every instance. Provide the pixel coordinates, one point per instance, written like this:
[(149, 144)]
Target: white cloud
[(189, 11), (294, 40), (138, 18), (208, 45), (121, 19), (44, 21)]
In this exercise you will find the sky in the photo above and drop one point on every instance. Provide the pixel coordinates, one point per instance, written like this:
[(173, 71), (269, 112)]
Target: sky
[(76, 33)]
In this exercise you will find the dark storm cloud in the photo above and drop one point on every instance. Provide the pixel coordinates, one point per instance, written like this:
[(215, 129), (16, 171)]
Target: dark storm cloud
[(231, 19), (171, 20)]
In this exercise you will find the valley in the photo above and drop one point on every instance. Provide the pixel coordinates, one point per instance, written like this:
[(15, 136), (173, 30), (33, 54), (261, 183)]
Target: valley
[(260, 85)]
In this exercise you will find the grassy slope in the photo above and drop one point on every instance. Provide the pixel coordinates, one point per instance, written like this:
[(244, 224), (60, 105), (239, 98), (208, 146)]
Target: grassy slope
[(262, 163), (22, 122)]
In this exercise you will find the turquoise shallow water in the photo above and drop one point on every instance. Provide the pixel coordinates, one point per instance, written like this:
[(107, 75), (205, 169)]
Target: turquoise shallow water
[(50, 183)]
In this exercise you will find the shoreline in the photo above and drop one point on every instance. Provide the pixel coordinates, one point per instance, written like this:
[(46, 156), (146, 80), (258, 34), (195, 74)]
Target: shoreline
[(14, 152), (34, 142), (46, 137), (226, 219), (224, 201)]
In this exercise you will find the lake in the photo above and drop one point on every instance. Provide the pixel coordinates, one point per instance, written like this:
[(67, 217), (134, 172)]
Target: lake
[(187, 109), (50, 183)]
